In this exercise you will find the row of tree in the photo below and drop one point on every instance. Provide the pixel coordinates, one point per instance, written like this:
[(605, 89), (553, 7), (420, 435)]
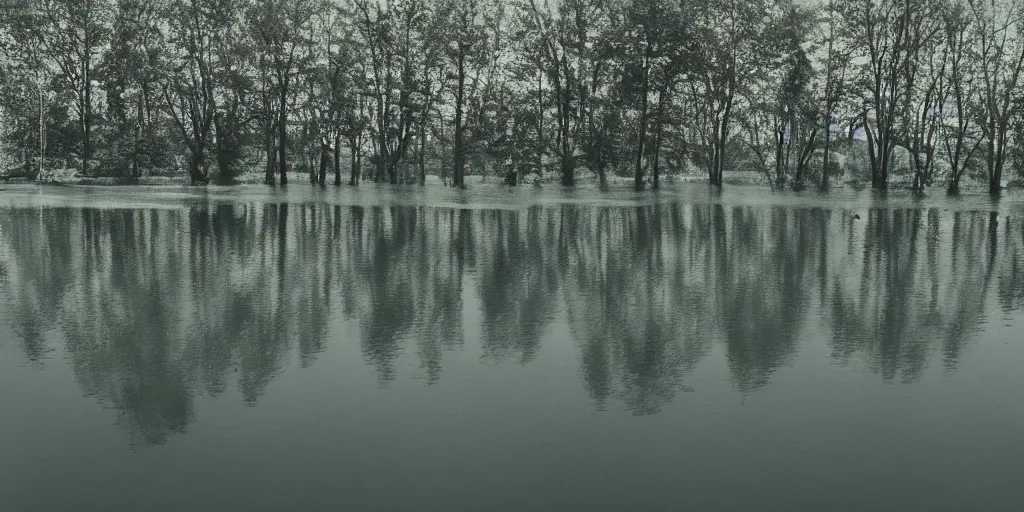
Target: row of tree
[(603, 87)]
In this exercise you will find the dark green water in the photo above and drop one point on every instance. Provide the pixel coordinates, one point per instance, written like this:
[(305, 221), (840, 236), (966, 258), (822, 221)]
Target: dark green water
[(402, 349)]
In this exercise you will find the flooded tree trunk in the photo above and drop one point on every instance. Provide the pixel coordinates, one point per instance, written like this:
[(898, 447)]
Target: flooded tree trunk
[(659, 131), (325, 158), (305, 152), (780, 160), (337, 159), (195, 165), (826, 156), (880, 151), (568, 163), (353, 145), (282, 135), (458, 175), (136, 136), (268, 142), (87, 108), (638, 175), (540, 125), (996, 152), (422, 156)]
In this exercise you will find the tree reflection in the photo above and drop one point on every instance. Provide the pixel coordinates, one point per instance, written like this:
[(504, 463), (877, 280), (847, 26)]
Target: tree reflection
[(894, 307), (764, 287), (631, 307), (518, 279), (154, 307)]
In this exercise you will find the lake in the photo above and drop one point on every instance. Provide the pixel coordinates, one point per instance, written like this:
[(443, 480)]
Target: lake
[(387, 348)]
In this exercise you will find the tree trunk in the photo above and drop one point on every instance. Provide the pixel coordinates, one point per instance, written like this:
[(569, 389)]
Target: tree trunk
[(196, 162), (995, 185), (826, 157), (87, 103), (655, 172), (780, 167), (136, 135), (568, 164), (658, 136), (268, 141), (458, 177), (638, 174), (337, 159), (423, 152), (995, 159), (540, 125), (353, 178), (135, 152), (325, 157), (719, 152), (304, 152), (282, 135)]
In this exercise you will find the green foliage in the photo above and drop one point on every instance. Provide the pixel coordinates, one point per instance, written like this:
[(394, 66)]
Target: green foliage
[(585, 87)]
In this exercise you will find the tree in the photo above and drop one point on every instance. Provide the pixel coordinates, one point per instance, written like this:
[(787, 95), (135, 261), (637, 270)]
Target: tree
[(188, 85), (832, 86), (431, 76), (235, 86), (780, 100), (467, 53), (658, 33), (131, 77), (732, 44), (959, 131), (892, 36), (560, 42), (925, 100), (1000, 43), (282, 29), (27, 91), (388, 31), (72, 32)]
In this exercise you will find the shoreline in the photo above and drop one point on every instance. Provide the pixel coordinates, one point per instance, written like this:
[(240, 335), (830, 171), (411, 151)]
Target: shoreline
[(737, 179)]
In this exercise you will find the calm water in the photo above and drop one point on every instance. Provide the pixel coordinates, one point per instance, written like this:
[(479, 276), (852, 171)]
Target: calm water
[(402, 349)]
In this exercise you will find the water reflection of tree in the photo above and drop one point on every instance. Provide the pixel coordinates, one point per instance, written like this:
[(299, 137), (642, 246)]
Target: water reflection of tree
[(765, 289), (400, 273), (1011, 271), (39, 259), (631, 306), (156, 306), (518, 278), (894, 307)]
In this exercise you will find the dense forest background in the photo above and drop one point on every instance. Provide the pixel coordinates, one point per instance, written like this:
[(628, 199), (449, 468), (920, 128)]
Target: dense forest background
[(916, 93)]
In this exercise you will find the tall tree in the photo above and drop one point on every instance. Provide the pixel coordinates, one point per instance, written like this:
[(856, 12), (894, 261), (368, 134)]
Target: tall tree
[(467, 53), (1000, 43), (732, 43), (73, 32), (892, 36), (189, 84), (560, 41), (282, 29), (657, 33), (833, 84), (960, 133), (130, 74)]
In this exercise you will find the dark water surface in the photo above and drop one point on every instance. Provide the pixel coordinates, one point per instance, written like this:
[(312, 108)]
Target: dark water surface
[(409, 349)]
